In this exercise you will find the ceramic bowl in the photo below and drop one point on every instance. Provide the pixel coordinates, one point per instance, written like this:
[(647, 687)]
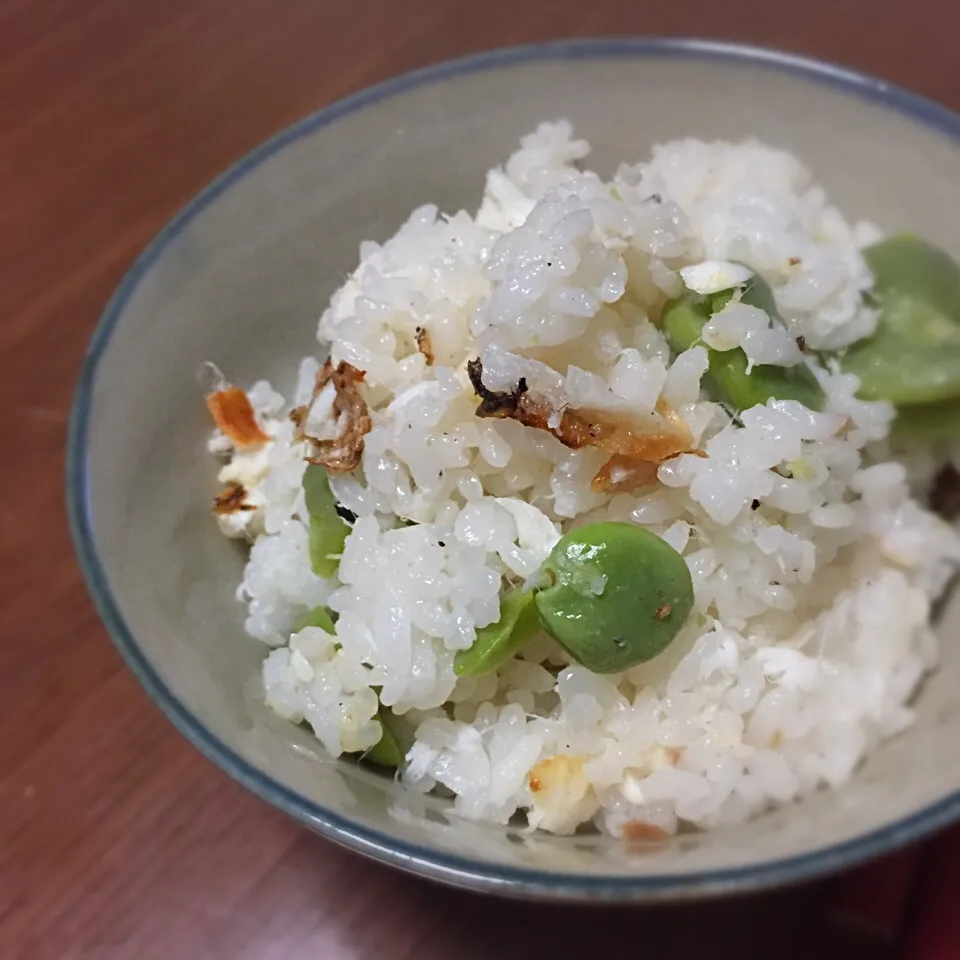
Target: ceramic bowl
[(241, 276)]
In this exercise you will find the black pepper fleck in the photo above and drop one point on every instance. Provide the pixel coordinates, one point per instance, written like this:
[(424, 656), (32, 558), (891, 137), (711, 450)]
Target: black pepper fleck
[(755, 504)]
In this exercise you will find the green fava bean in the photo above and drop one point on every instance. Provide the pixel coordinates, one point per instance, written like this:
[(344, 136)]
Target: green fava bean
[(386, 751), (497, 642), (683, 322), (756, 292), (328, 532), (913, 357), (616, 595), (317, 617), (909, 265)]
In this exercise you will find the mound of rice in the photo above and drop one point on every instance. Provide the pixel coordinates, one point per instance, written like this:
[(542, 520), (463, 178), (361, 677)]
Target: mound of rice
[(813, 567)]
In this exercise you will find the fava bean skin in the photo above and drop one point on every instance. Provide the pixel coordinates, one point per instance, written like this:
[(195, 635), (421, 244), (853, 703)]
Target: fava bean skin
[(683, 321), (909, 265), (757, 293), (317, 617), (913, 357), (614, 595), (328, 532), (385, 752), (498, 642)]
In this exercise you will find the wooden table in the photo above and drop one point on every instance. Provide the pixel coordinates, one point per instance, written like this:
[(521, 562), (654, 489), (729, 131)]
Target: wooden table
[(116, 839)]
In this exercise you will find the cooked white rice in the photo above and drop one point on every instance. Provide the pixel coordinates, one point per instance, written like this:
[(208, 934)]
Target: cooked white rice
[(813, 585)]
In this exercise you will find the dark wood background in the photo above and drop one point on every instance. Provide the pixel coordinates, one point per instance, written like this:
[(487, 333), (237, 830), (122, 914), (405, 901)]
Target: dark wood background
[(117, 840)]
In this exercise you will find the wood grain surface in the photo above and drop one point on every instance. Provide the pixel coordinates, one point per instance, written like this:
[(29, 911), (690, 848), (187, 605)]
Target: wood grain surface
[(117, 840)]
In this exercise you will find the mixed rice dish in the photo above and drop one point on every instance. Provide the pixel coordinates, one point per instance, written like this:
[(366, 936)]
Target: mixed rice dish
[(609, 506)]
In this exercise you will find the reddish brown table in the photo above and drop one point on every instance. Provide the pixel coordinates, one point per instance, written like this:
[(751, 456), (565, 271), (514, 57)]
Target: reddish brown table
[(116, 839)]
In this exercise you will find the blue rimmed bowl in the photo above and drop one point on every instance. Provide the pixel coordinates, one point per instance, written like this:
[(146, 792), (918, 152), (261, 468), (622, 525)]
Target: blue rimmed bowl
[(241, 276)]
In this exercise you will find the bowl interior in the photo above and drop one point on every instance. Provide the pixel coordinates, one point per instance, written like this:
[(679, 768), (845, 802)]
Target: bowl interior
[(241, 278)]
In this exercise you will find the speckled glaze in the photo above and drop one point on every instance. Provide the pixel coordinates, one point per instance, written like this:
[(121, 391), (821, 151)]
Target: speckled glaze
[(241, 275)]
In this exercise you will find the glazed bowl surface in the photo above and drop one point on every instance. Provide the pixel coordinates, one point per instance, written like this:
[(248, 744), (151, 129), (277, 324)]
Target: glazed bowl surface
[(240, 277)]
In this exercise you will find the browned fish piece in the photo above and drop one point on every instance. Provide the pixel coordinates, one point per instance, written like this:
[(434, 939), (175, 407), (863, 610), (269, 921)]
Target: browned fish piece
[(342, 453), (233, 414)]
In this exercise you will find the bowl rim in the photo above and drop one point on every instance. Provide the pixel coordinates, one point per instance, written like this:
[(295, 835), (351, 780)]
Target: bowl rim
[(454, 869)]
